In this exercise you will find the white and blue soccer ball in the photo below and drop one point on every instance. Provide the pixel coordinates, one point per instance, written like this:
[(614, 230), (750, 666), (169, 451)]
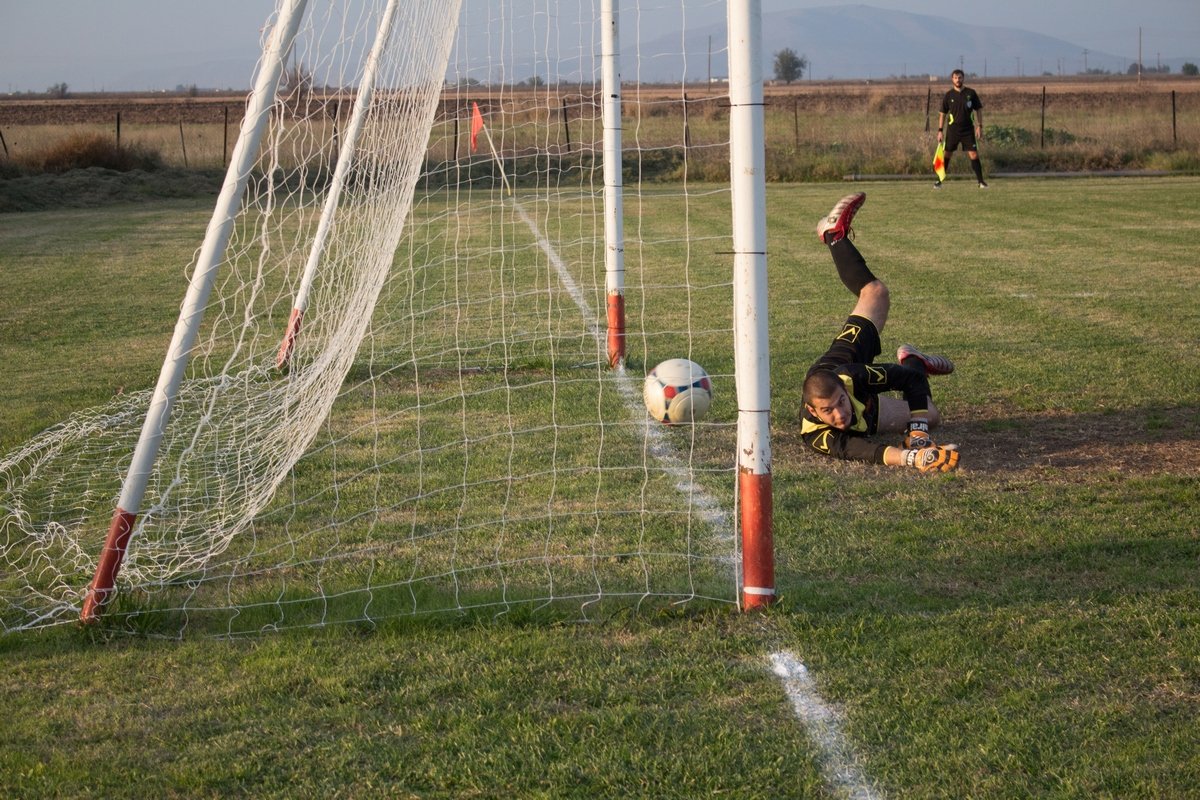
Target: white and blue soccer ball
[(678, 391)]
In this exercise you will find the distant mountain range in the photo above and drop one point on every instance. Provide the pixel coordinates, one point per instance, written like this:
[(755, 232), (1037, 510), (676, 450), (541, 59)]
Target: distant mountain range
[(840, 42), (871, 43), (843, 42)]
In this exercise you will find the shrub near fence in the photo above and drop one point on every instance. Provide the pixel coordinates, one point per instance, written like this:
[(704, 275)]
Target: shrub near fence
[(814, 131)]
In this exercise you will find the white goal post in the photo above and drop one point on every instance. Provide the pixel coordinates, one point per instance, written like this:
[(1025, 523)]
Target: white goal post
[(402, 377), (752, 365), (212, 252)]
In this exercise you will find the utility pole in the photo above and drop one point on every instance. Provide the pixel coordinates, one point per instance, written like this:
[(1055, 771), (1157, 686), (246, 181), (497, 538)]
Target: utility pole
[(1139, 53)]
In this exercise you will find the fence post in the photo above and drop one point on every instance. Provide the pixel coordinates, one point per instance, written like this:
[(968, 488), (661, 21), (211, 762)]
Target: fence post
[(566, 124), (928, 102), (225, 141), (182, 144), (1043, 117), (1174, 131), (687, 128), (796, 119), (337, 134), (118, 130)]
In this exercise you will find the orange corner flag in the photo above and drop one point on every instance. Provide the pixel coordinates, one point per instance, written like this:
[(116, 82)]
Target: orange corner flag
[(939, 161), (476, 125)]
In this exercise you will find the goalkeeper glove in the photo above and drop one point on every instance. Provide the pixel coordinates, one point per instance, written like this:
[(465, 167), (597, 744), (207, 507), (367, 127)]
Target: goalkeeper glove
[(932, 459), (917, 437)]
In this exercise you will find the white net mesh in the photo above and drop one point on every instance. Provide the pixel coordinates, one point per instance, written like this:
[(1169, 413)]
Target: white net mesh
[(447, 434)]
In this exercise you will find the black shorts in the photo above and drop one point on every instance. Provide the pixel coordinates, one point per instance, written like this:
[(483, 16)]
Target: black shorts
[(858, 343), (966, 138)]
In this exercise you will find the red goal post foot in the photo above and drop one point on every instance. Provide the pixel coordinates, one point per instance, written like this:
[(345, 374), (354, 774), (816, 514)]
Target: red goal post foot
[(758, 548), (616, 329), (101, 590), (284, 356)]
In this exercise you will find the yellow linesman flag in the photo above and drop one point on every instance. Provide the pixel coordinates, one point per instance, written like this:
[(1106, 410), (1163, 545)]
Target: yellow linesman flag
[(939, 161)]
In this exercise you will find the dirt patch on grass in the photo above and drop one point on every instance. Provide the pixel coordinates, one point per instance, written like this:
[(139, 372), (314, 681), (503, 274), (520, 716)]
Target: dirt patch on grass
[(1161, 441), (1158, 441)]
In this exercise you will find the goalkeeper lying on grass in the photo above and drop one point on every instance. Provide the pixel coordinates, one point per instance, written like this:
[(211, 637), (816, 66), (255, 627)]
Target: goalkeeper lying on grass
[(843, 402)]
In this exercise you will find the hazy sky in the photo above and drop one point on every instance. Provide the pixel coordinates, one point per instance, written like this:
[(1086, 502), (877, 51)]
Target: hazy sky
[(95, 45)]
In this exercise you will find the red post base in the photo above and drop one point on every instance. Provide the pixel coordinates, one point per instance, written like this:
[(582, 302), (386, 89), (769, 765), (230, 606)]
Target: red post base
[(758, 546), (616, 329), (110, 562), (289, 339)]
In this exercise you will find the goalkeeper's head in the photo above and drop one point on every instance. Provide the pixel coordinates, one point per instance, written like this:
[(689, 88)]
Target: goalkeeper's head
[(826, 398)]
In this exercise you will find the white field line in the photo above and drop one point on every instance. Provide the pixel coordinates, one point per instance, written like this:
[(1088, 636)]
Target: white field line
[(710, 511), (824, 724)]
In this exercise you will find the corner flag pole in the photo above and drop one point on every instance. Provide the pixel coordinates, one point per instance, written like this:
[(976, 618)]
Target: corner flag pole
[(499, 163)]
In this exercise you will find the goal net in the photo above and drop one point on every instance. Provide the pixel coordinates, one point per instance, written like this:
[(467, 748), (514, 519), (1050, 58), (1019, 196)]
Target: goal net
[(399, 398)]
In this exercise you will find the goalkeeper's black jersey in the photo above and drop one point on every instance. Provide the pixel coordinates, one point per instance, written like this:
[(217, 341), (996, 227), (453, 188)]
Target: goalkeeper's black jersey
[(958, 106), (864, 383)]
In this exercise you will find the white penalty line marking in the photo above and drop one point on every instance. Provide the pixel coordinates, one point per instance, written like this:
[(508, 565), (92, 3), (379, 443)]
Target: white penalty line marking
[(709, 509), (825, 725)]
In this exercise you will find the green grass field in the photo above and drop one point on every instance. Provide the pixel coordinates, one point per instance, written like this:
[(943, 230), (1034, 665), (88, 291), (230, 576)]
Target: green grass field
[(1026, 627)]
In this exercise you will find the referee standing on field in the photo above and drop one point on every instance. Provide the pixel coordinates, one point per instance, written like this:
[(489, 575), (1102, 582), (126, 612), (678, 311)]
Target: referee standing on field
[(961, 119)]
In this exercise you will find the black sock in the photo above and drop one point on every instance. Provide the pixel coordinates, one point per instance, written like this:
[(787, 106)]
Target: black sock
[(978, 168), (851, 266)]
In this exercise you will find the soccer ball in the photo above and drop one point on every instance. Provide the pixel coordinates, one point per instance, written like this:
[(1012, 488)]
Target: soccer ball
[(677, 390)]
